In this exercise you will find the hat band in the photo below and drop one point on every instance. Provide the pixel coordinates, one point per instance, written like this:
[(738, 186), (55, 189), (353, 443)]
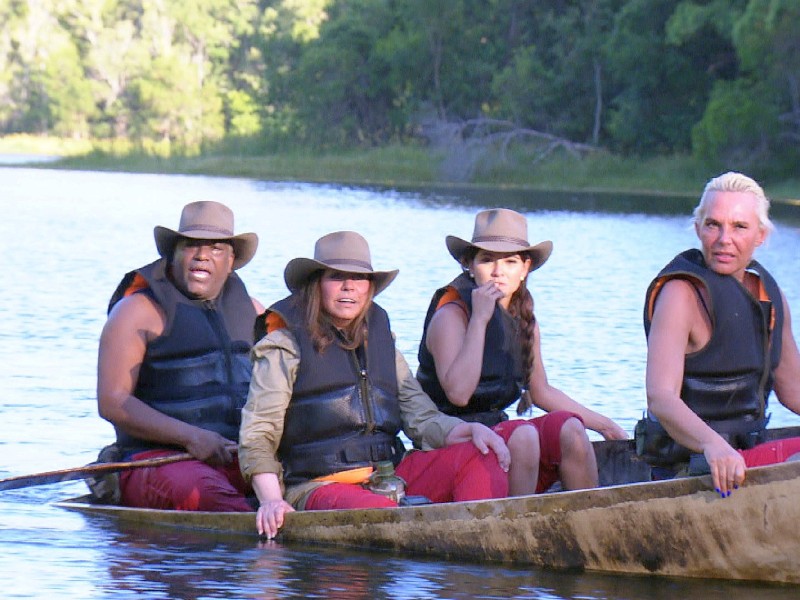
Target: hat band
[(201, 227), (500, 238), (347, 262)]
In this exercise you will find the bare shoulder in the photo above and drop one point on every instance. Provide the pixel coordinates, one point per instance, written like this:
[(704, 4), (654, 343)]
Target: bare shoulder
[(681, 315), (257, 305), (677, 296), (452, 312), (137, 314), (449, 322)]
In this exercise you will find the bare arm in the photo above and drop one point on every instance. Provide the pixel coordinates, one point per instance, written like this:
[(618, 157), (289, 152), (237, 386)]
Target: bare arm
[(677, 321), (787, 375), (132, 324), (550, 398), (457, 343)]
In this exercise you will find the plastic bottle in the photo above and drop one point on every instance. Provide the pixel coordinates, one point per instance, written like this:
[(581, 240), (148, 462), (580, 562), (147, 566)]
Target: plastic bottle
[(385, 482)]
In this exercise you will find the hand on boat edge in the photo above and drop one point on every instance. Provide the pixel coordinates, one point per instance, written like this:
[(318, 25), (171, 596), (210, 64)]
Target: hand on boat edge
[(727, 467), (270, 515)]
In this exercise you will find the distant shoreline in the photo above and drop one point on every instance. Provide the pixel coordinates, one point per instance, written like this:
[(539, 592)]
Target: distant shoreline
[(416, 168)]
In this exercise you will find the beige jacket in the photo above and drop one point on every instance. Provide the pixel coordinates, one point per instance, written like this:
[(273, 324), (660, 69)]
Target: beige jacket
[(276, 359)]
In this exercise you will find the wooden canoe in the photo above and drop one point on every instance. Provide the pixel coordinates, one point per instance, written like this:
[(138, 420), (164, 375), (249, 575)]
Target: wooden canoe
[(679, 527)]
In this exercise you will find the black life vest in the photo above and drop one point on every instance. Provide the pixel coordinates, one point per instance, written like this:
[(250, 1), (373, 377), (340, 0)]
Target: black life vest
[(344, 411), (198, 370), (502, 376), (727, 383)]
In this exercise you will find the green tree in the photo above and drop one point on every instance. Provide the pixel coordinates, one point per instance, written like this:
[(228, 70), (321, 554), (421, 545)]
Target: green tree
[(661, 85), (558, 83), (43, 83), (339, 88), (753, 123)]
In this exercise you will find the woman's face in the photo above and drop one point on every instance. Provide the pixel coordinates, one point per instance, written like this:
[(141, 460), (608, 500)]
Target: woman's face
[(506, 271), (730, 232), (344, 295)]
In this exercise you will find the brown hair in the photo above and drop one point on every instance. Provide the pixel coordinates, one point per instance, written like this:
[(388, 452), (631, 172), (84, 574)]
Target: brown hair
[(320, 327), (521, 308)]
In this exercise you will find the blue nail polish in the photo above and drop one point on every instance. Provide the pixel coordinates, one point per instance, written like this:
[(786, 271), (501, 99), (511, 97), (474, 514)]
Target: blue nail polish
[(718, 491), (728, 494)]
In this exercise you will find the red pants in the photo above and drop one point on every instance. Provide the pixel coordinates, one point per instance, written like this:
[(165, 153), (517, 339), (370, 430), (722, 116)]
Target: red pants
[(772, 452), (549, 428), (449, 474), (184, 485)]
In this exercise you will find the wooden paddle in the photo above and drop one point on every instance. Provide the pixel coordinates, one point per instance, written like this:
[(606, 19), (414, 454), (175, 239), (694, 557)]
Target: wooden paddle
[(21, 481)]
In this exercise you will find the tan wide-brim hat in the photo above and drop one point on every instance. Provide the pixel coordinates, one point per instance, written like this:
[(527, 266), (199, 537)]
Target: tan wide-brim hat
[(345, 251), (501, 230), (207, 220)]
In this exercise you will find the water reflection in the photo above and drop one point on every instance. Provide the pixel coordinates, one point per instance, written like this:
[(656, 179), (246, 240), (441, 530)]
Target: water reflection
[(69, 238), (179, 564)]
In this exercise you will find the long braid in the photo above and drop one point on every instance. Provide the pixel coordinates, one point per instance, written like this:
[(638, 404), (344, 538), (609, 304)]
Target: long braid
[(521, 307)]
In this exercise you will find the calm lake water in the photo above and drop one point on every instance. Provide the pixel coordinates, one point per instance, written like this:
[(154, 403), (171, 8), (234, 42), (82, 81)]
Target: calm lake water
[(70, 236)]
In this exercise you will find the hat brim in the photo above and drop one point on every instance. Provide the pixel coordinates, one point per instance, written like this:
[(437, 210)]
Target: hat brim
[(539, 253), (244, 244), (299, 270)]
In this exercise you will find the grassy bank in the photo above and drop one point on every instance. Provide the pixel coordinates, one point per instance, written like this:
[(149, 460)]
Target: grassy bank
[(409, 166)]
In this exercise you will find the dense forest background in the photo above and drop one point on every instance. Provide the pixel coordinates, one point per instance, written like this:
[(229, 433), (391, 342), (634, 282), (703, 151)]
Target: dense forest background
[(717, 79)]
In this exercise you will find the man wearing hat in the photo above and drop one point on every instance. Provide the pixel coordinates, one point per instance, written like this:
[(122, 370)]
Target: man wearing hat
[(174, 368)]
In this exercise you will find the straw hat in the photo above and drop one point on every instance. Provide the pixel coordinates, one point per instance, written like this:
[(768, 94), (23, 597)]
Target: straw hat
[(207, 220), (345, 251), (501, 230)]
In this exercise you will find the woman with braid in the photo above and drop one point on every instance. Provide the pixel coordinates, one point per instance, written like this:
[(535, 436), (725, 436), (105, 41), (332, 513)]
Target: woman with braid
[(481, 352)]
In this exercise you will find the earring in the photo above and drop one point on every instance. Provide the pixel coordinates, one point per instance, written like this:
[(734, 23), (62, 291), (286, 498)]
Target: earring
[(471, 275), (522, 278)]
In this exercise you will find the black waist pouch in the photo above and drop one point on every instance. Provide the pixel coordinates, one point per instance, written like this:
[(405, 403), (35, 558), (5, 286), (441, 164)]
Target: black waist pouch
[(654, 444)]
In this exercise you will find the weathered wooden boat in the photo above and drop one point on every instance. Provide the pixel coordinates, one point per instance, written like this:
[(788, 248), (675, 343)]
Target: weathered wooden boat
[(679, 527)]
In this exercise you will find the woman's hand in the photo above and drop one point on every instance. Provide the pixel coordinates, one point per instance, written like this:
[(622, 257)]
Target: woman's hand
[(484, 439), (269, 518), (484, 299), (273, 508), (726, 464), (611, 431)]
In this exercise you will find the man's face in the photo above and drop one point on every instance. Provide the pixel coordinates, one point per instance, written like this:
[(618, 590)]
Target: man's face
[(201, 267), (730, 232)]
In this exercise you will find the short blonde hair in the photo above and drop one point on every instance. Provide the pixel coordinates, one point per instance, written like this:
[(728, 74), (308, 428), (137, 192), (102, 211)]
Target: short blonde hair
[(735, 182)]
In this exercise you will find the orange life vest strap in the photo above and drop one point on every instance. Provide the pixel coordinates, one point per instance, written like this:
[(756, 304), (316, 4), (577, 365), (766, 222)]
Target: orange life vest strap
[(762, 294), (138, 283), (354, 476), (451, 296), (275, 321)]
